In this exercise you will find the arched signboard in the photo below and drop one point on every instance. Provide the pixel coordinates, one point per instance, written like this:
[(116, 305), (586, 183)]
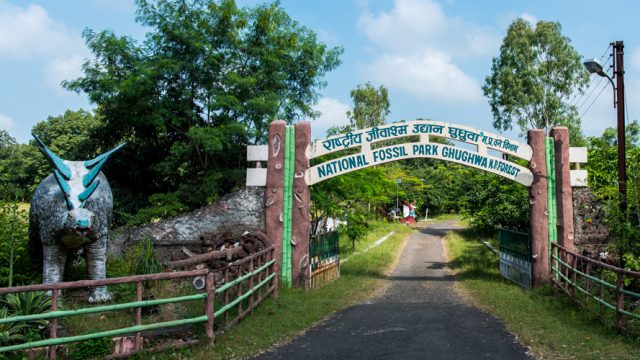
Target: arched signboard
[(479, 159)]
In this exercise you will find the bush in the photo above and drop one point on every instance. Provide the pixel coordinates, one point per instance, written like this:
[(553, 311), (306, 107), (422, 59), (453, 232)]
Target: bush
[(15, 263), (92, 349)]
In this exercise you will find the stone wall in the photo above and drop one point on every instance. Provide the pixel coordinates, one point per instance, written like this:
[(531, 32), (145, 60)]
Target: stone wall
[(591, 233), (200, 230)]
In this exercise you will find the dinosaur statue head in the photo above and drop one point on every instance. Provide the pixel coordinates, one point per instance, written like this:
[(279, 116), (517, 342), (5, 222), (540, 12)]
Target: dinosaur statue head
[(77, 181)]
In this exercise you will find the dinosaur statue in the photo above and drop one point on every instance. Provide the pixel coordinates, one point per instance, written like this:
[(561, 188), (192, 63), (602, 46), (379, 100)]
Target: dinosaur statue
[(70, 209)]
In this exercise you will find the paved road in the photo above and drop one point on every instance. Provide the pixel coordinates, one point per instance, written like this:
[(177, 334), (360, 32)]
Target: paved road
[(420, 316)]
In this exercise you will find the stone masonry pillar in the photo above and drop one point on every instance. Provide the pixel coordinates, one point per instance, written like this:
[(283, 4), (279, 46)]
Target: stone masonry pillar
[(538, 212)]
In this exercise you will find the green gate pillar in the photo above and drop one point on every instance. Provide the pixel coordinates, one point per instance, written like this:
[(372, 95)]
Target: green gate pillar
[(274, 188), (301, 226), (564, 193), (538, 212)]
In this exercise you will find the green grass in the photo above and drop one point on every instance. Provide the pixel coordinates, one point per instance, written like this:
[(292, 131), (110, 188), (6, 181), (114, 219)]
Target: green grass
[(545, 320), (278, 320), (24, 206)]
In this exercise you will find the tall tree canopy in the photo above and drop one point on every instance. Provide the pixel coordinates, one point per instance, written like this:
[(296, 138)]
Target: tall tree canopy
[(533, 76), (370, 106), (206, 81)]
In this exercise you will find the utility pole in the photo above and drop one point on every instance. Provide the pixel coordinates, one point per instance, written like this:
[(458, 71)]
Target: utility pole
[(618, 72)]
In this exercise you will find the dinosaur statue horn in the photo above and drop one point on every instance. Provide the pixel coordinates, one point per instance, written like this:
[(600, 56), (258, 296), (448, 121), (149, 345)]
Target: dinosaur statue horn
[(57, 162), (96, 164)]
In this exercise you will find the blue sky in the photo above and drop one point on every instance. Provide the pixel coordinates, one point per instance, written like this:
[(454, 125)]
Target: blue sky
[(432, 55)]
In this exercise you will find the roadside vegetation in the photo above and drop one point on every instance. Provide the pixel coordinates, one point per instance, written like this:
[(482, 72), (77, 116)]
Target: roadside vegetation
[(543, 319), (278, 320)]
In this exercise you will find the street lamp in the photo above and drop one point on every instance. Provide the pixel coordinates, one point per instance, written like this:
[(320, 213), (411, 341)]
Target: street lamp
[(594, 67)]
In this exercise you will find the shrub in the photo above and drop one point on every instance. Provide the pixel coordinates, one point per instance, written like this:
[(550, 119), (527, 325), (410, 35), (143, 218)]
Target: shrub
[(92, 349), (10, 332), (15, 263)]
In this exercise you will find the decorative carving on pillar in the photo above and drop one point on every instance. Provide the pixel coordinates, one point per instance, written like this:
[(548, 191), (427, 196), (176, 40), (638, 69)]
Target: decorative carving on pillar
[(300, 212), (274, 188), (538, 212)]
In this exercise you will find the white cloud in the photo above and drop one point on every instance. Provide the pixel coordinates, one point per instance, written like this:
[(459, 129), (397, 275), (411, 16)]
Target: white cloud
[(430, 76), (333, 113), (416, 24), (57, 70), (419, 44), (30, 34), (530, 18), (634, 59), (6, 123)]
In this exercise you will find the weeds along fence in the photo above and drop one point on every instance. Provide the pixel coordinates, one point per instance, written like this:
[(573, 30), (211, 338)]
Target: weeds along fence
[(229, 294), (607, 289)]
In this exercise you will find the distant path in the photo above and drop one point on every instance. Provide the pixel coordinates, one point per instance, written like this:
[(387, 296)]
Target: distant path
[(420, 316)]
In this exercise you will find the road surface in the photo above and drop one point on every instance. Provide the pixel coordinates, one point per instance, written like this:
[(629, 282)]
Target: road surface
[(419, 316)]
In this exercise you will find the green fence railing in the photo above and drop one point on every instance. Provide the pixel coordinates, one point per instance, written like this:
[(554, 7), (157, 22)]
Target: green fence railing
[(257, 271), (606, 289)]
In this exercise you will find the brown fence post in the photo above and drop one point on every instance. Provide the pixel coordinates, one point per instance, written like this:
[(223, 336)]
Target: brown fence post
[(619, 302), (138, 338), (564, 192), (209, 308), (53, 329), (538, 212), (300, 210), (274, 189)]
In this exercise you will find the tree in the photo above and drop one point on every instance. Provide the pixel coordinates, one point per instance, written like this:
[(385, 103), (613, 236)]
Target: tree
[(370, 106), (206, 82), (531, 79), (23, 167)]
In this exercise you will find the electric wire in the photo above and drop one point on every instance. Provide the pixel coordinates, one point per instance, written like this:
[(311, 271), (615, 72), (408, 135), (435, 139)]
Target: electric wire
[(594, 100), (584, 99), (579, 96)]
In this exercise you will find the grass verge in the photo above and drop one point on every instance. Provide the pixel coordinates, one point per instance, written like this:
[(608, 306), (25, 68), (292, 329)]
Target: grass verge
[(277, 321), (543, 319)]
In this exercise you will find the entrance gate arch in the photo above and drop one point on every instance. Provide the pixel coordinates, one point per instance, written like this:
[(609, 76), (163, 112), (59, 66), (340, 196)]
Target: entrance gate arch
[(289, 175)]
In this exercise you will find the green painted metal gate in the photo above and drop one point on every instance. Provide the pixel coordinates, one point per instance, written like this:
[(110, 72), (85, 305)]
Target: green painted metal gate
[(325, 258), (515, 256)]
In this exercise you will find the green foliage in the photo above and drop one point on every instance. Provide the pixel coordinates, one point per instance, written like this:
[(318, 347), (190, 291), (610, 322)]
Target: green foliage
[(356, 229), (23, 167), (206, 82), (161, 206), (29, 303), (92, 349), (492, 201), (146, 261), (603, 182), (10, 332), (15, 264), (530, 80), (370, 106)]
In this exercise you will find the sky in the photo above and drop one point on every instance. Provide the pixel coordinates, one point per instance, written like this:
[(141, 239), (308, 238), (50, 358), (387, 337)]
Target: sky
[(433, 56)]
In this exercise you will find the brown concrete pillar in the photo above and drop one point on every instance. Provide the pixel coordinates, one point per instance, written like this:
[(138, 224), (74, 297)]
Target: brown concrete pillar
[(301, 227), (274, 189), (538, 212), (564, 193)]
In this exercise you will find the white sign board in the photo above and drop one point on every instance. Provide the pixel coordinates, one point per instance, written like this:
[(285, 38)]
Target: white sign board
[(383, 155), (424, 128)]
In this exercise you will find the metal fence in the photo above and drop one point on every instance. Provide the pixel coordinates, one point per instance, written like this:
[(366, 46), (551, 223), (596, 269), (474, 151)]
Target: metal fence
[(245, 290), (325, 259), (515, 256), (603, 285)]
